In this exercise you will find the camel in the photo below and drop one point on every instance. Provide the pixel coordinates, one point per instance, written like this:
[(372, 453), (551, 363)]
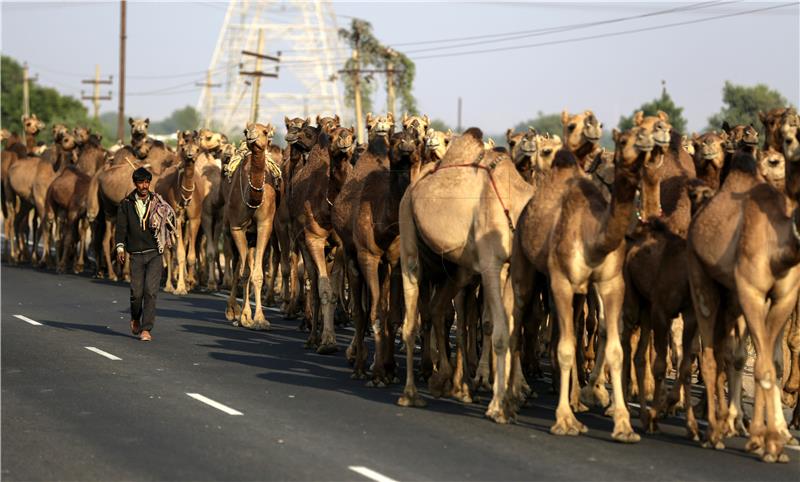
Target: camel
[(66, 203), (416, 124), (365, 217), (209, 168), (106, 190), (709, 157), (749, 261), (158, 157), (772, 121), (582, 134), (251, 209), (312, 192), (90, 155), (13, 152), (460, 216), (182, 188), (436, 144), (567, 208)]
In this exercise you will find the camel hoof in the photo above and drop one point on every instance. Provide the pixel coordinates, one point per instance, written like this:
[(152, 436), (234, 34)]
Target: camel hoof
[(579, 407), (230, 314), (772, 458), (627, 437), (358, 375), (411, 401), (462, 396), (235, 323), (498, 415), (571, 428), (180, 292), (376, 384), (327, 349), (791, 441)]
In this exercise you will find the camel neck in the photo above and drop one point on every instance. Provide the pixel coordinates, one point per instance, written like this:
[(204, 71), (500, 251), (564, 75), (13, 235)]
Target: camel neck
[(30, 142), (618, 214), (582, 153), (792, 186), (256, 176), (337, 174)]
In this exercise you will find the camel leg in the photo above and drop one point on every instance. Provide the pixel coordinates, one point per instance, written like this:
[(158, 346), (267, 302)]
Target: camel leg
[(108, 237), (440, 381), (411, 271), (611, 294), (594, 393), (483, 376), (312, 297), (395, 313), (460, 389), (734, 368), (168, 263), (473, 322), (327, 301), (369, 265), (232, 311), (661, 327), (192, 228), (675, 397), (180, 249), (499, 296), (685, 374), (357, 351), (257, 274), (83, 243)]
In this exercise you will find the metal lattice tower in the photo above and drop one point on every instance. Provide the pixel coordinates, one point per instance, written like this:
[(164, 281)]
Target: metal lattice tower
[(305, 34)]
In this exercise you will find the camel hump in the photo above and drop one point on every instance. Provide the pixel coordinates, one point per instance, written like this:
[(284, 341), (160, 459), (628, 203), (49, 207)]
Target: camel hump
[(564, 158), (465, 148)]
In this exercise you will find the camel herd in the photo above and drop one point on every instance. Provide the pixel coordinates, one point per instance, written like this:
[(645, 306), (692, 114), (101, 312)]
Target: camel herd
[(609, 266)]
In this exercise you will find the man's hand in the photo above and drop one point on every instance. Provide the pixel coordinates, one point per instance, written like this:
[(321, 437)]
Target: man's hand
[(121, 257)]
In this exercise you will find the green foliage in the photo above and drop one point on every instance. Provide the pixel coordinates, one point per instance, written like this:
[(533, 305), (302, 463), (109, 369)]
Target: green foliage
[(439, 125), (373, 55), (186, 118), (543, 123), (743, 103), (48, 105), (663, 103)]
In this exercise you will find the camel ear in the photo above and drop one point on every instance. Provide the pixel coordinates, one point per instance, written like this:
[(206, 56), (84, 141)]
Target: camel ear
[(508, 135), (725, 126), (448, 136), (615, 134), (307, 122), (286, 121), (762, 116), (130, 121), (270, 131), (34, 117), (368, 119), (564, 117), (695, 137), (724, 136), (638, 117), (147, 122), (338, 122), (318, 118), (405, 118), (352, 130), (390, 117), (663, 116), (195, 134), (426, 119), (532, 130)]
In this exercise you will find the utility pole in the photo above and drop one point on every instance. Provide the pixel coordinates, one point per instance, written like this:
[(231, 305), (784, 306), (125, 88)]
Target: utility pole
[(95, 97), (257, 73), (121, 110), (26, 101), (390, 83), (458, 129), (207, 85)]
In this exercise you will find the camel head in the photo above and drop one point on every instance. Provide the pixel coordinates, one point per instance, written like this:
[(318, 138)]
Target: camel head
[(32, 125), (418, 124), (629, 146), (741, 137), (81, 135), (293, 127), (189, 152), (790, 133), (5, 134), (657, 124), (580, 129), (381, 126), (709, 149), (142, 149), (209, 140), (772, 167), (436, 143), (772, 120), (185, 137), (139, 126), (343, 141), (546, 148), (58, 131), (68, 142), (687, 145), (522, 146), (226, 153), (307, 137), (328, 124), (258, 136)]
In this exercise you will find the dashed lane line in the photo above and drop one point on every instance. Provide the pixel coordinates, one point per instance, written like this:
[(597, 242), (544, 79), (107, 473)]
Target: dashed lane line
[(28, 320), (103, 353), (370, 474), (214, 404)]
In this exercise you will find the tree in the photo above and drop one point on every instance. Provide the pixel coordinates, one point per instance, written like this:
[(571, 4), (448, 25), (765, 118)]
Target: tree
[(47, 103), (186, 118), (439, 125), (663, 103), (743, 103), (375, 56)]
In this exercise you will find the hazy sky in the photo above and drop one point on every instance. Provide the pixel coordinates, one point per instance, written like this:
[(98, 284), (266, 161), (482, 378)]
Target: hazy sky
[(694, 51)]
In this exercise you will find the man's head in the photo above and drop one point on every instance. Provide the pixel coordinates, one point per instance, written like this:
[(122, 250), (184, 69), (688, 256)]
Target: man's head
[(142, 178)]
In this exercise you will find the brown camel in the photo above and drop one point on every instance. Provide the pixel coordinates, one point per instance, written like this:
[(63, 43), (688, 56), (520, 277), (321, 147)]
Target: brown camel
[(250, 208), (749, 262), (365, 218), (180, 186), (709, 157), (312, 191), (158, 157), (209, 168), (573, 208), (91, 155), (460, 216), (106, 190), (15, 151), (772, 120), (582, 135), (66, 204)]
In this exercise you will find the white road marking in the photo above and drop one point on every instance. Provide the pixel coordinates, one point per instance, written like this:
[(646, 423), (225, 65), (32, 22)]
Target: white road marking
[(214, 404), (28, 320), (370, 474), (103, 353)]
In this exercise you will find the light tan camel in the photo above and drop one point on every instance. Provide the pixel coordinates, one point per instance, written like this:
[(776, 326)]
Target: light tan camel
[(251, 208), (570, 234), (749, 260), (463, 211)]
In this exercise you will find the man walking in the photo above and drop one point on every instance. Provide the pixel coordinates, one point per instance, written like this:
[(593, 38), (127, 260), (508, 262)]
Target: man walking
[(135, 235)]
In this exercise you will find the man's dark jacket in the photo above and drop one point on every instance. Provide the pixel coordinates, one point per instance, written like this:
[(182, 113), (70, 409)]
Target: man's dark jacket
[(129, 229)]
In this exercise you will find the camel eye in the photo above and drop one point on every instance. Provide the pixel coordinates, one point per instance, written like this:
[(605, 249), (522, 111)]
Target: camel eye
[(571, 127)]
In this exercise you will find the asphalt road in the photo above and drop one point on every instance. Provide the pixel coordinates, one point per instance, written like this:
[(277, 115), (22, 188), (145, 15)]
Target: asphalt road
[(70, 413)]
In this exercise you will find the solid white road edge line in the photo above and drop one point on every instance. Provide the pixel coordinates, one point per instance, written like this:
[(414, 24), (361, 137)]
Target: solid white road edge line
[(103, 353), (214, 404), (370, 474), (28, 320)]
